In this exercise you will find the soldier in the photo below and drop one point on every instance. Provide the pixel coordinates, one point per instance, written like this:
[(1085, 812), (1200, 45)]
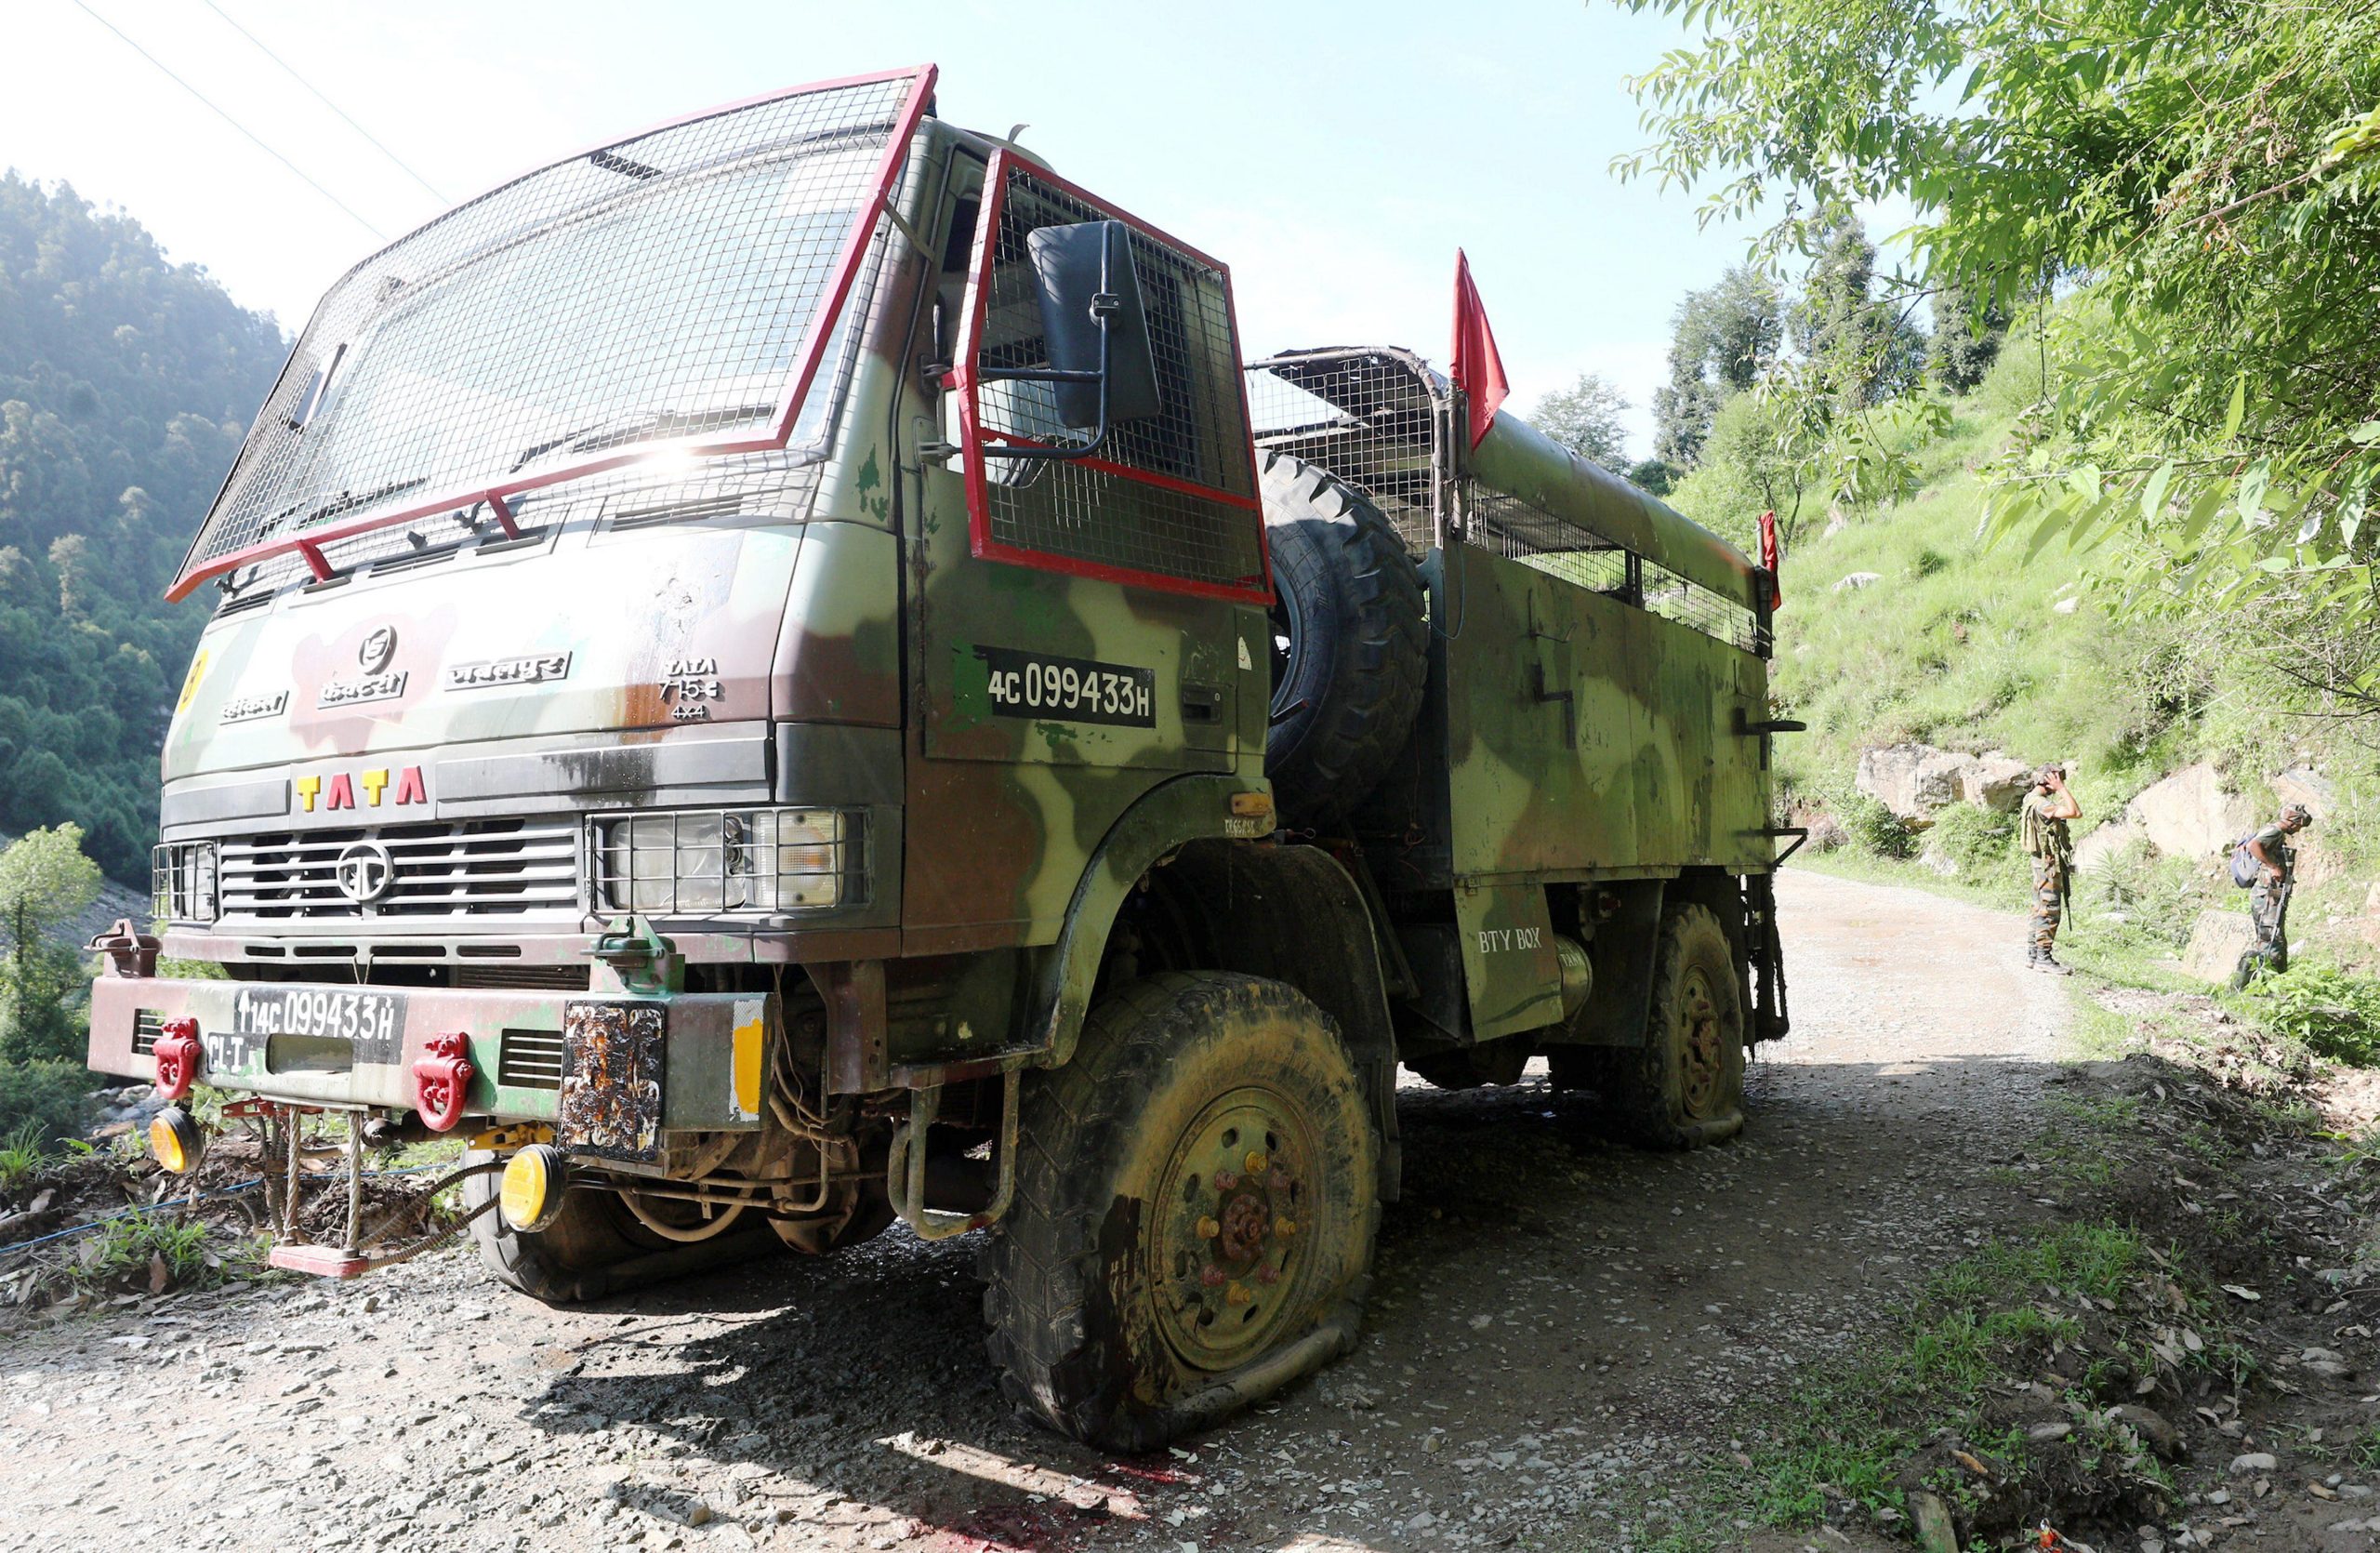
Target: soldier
[(2041, 830), (2268, 900)]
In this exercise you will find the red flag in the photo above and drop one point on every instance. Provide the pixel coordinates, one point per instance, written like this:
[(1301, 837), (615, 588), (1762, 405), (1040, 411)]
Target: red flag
[(1478, 371), (1771, 555)]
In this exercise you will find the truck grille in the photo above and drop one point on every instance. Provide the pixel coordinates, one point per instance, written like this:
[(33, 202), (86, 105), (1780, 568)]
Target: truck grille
[(505, 867)]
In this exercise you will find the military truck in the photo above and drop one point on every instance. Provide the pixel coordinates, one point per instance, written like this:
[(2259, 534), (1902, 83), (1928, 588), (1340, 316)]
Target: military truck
[(782, 674)]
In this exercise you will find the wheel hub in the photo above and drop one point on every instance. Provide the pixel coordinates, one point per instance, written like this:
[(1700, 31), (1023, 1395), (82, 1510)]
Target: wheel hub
[(1700, 1035), (1227, 1227)]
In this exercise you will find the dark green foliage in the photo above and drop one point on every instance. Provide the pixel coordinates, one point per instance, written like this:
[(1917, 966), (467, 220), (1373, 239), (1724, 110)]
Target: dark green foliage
[(1866, 350), (51, 1096), (126, 385), (1876, 828), (1653, 476), (1980, 841), (1966, 338), (1722, 339), (2160, 896), (2335, 1014)]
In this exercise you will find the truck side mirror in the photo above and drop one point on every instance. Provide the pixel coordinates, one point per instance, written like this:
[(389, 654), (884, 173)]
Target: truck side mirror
[(1094, 334)]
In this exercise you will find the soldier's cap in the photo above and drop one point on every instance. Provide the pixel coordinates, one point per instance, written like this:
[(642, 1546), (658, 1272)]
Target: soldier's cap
[(2047, 770), (2299, 814)]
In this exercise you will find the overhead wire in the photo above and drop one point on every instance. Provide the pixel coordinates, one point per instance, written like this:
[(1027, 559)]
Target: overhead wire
[(295, 74), (225, 115)]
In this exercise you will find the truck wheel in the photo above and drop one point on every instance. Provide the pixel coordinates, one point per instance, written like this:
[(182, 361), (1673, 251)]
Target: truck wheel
[(593, 1248), (1684, 1086), (1195, 1199), (1350, 641)]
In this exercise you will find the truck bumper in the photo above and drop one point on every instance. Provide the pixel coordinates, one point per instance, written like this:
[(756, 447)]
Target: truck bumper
[(673, 1061)]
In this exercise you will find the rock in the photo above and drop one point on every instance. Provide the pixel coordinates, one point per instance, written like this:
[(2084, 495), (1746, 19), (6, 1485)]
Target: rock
[(1826, 834), (1995, 781), (2216, 943), (1913, 780), (2153, 1429), (2043, 1433), (2302, 783), (1934, 860), (2189, 815), (2253, 1463), (1856, 582), (2106, 842), (1936, 1532), (2067, 606)]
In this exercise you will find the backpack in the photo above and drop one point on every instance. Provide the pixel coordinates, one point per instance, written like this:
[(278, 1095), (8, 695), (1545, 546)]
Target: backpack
[(2245, 870)]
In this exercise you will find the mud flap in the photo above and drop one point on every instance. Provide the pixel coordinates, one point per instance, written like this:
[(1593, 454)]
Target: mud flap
[(1511, 971), (612, 1060)]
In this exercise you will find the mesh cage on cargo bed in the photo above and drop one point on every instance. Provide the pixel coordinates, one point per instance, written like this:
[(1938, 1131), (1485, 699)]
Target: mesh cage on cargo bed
[(1382, 420)]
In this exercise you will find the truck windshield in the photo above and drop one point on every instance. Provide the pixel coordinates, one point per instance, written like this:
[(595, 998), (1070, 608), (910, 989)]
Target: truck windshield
[(667, 288)]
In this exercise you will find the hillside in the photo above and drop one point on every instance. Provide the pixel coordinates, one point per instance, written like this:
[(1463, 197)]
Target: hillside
[(126, 385), (1904, 627)]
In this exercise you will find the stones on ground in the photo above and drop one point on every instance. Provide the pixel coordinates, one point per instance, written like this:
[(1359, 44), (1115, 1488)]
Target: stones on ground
[(1936, 1530), (1852, 582), (2155, 1430), (2253, 1462)]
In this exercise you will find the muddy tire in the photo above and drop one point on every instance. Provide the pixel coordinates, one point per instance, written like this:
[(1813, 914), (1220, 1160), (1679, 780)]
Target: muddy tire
[(1350, 642), (593, 1247), (1196, 1203), (1685, 1087)]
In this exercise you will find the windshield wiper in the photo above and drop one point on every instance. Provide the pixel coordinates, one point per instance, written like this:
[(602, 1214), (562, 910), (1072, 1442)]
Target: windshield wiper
[(637, 426)]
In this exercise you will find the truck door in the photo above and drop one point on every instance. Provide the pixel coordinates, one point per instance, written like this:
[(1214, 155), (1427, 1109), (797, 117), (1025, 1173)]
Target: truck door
[(1085, 627)]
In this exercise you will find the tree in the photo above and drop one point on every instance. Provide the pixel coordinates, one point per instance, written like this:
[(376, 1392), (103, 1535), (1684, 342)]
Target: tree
[(1584, 418), (1653, 476), (1966, 338), (1865, 351), (45, 882), (1721, 338), (2203, 178)]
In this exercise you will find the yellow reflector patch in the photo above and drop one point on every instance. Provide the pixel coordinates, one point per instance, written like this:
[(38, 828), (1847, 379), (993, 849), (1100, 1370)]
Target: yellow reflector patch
[(527, 1185), (168, 1142), (746, 1075)]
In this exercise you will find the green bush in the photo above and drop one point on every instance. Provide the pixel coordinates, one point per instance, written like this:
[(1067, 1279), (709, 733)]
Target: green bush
[(2335, 1014), (1875, 828), (54, 1096), (1980, 841), (2160, 896)]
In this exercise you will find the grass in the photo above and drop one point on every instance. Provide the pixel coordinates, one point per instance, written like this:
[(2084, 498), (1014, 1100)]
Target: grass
[(22, 1155)]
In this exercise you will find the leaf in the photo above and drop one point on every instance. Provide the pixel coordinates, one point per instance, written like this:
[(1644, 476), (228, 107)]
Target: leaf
[(2152, 495), (2241, 1292), (2367, 433), (2238, 410)]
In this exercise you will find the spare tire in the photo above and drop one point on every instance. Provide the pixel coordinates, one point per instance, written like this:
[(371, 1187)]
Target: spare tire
[(1350, 642)]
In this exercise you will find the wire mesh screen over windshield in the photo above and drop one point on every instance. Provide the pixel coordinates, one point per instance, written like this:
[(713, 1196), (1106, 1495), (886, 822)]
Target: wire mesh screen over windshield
[(1169, 501), (678, 286)]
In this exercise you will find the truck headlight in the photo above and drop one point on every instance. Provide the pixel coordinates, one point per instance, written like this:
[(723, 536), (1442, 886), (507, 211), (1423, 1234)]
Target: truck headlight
[(716, 860), (181, 879)]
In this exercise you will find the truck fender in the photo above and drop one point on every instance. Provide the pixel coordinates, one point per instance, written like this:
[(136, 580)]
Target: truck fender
[(1294, 914), (1184, 810)]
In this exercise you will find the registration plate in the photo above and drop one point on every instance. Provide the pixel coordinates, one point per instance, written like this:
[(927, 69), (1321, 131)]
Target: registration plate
[(372, 1021)]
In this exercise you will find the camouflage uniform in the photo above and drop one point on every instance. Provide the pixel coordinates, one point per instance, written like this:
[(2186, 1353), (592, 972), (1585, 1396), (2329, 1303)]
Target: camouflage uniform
[(2268, 900), (2046, 840)]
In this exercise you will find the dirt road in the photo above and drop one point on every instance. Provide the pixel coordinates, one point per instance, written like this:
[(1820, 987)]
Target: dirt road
[(1556, 1321)]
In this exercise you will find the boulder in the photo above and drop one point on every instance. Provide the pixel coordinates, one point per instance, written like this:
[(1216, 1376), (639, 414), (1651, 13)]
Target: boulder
[(2189, 815), (2067, 606), (1913, 780), (1856, 581), (2106, 842), (1995, 781), (2216, 943), (2302, 783)]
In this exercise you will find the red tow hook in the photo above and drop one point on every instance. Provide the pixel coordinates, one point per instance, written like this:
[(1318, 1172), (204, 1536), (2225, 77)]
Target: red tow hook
[(177, 1052), (441, 1078)]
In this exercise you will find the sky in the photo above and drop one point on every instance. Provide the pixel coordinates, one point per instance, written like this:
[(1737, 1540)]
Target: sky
[(1334, 153)]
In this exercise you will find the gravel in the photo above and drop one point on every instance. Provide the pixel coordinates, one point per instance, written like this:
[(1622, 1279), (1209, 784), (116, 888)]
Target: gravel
[(1556, 1321)]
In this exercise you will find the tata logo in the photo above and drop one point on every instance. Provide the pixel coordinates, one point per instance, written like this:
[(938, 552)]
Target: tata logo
[(378, 649), (364, 872), (340, 790)]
